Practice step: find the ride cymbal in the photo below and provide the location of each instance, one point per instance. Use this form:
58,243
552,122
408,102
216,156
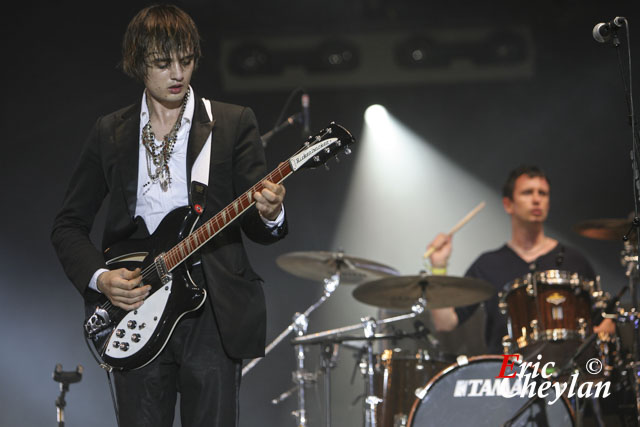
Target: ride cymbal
402,292
604,228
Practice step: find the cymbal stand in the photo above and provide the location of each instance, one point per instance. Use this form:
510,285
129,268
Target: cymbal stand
371,400
300,376
369,325
330,285
299,325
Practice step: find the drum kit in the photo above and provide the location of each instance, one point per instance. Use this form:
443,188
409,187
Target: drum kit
552,310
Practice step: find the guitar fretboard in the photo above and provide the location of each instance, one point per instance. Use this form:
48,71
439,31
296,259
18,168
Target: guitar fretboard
176,255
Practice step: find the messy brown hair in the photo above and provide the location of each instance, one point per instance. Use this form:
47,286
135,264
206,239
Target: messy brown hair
160,30
531,171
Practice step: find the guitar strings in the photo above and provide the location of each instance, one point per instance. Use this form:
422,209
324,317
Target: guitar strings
150,269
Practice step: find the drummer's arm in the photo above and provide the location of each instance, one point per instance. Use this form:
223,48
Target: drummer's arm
444,319
607,326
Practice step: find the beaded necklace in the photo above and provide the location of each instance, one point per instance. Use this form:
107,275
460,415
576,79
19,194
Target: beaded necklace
158,155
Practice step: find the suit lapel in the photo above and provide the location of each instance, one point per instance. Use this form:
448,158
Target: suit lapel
127,146
201,127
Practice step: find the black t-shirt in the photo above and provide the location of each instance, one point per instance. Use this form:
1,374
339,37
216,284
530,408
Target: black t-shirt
502,266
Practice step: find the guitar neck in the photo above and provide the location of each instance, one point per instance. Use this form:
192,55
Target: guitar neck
176,255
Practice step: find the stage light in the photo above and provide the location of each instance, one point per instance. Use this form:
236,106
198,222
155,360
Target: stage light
421,51
252,60
333,56
502,48
376,115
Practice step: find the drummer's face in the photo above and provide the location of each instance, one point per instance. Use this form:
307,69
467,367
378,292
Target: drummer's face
530,200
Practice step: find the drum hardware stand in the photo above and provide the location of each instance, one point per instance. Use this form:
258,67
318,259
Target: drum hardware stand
371,400
299,325
329,356
369,325
631,262
569,366
64,378
300,375
330,285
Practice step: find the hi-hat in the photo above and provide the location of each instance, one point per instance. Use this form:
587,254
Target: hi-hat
320,265
604,228
402,292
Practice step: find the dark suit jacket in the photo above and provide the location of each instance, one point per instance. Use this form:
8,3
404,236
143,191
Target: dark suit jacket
109,165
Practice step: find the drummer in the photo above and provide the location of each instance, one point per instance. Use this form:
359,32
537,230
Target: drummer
526,200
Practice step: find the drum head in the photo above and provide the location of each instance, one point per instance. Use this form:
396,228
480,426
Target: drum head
470,394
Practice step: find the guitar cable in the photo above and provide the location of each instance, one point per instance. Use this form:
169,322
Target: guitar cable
108,371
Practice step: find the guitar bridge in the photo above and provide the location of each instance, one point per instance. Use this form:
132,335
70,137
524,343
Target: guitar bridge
161,269
99,321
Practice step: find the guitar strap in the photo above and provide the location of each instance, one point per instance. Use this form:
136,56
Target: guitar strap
200,171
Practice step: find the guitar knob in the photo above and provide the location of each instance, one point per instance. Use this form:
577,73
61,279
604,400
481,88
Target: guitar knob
120,333
116,344
347,151
124,346
135,337
131,324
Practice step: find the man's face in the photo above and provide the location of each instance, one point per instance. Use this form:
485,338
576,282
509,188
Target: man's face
168,79
530,202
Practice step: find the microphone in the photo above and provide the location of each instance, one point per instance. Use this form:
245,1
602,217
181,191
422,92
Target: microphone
597,318
603,31
288,122
306,131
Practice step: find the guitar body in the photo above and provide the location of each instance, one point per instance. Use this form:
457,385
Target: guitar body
130,340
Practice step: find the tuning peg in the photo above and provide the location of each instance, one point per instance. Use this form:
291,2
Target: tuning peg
347,150
316,159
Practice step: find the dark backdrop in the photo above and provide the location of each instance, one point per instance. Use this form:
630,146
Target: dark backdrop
60,73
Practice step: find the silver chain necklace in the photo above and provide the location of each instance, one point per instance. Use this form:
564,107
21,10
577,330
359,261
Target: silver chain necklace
158,155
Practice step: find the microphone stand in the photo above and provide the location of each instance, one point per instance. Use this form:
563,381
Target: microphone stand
64,378
295,118
635,154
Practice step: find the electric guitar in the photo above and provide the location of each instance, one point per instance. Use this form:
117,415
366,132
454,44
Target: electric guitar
131,339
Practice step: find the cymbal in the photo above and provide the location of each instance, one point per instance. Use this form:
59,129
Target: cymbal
402,292
603,228
320,265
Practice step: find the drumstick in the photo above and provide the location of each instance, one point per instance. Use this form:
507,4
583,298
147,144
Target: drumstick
457,227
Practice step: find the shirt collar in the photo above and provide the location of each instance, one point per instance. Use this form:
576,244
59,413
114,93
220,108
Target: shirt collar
187,117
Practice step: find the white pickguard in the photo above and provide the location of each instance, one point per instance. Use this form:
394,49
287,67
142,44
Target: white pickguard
146,320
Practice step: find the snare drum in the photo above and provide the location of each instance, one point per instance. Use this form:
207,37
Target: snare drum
550,306
468,393
397,375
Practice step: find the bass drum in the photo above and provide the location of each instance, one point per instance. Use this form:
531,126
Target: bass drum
467,393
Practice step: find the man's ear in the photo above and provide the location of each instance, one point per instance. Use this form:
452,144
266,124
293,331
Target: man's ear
507,204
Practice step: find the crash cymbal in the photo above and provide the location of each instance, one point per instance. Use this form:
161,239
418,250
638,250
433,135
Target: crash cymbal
320,265
402,292
604,228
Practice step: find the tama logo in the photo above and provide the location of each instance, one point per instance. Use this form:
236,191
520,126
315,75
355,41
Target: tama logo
486,387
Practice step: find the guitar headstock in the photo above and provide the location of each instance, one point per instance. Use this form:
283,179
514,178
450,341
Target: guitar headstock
321,147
